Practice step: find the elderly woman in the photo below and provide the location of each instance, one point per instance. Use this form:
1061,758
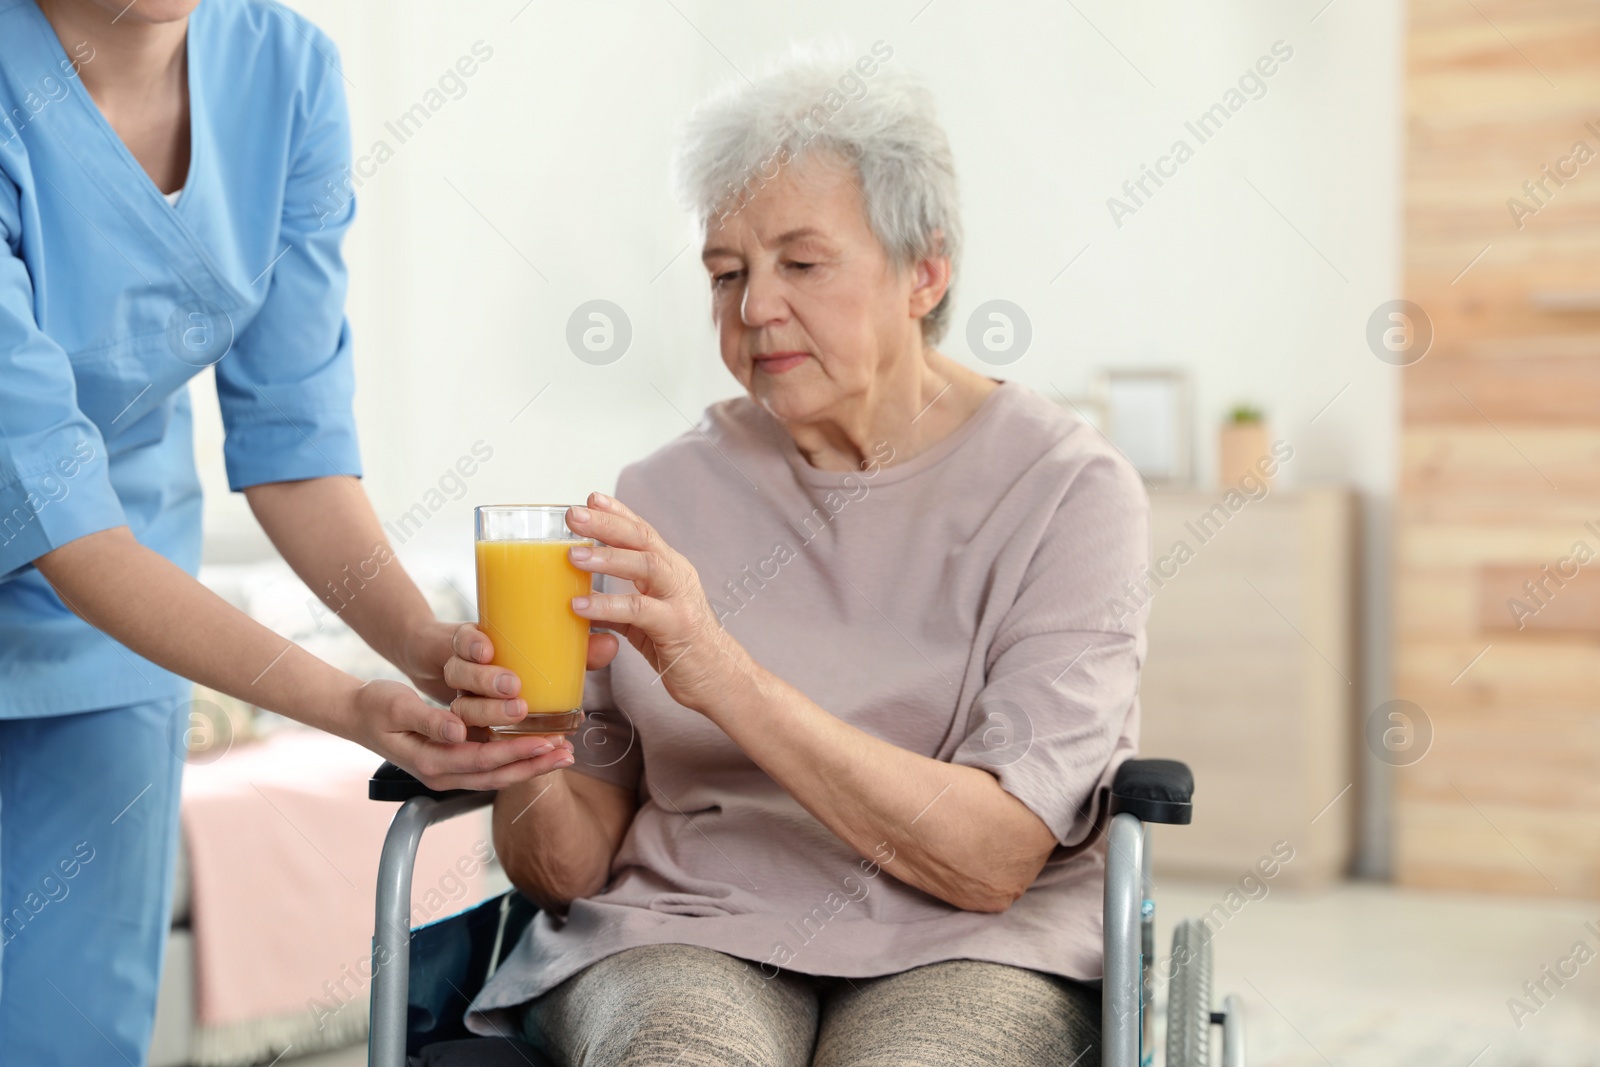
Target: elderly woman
842,806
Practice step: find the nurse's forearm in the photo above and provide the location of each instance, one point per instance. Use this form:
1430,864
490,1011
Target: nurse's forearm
158,610
155,608
327,531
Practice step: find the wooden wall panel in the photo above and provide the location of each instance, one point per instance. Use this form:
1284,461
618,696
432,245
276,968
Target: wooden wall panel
1500,453
1563,597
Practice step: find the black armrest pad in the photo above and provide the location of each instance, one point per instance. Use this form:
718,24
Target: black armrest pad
1154,790
393,784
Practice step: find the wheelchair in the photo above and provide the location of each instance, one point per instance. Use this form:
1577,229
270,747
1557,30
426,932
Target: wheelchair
423,979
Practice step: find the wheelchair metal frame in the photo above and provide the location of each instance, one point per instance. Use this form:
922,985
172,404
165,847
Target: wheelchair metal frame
391,938
1127,989
1126,1014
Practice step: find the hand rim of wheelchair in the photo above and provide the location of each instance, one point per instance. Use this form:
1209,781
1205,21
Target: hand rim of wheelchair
1143,791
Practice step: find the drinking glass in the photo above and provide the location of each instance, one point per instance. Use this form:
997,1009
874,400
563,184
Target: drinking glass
526,584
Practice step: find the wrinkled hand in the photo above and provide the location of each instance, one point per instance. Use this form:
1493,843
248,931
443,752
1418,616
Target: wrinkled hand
667,618
394,721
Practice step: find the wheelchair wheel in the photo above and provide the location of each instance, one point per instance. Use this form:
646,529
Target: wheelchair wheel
1189,996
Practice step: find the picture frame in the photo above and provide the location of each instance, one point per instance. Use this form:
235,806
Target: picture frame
1148,416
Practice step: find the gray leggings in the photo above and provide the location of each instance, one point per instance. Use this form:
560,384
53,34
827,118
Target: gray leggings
683,1006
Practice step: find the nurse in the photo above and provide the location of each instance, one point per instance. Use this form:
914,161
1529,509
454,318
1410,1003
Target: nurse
173,195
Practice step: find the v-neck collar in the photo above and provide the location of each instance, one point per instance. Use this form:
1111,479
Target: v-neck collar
141,203
105,124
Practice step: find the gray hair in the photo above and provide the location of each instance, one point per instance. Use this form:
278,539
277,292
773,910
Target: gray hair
872,114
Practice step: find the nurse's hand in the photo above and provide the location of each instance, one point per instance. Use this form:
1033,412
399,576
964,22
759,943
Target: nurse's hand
432,648
486,695
427,649
432,743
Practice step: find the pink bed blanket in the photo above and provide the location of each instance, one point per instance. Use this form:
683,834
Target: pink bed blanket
283,853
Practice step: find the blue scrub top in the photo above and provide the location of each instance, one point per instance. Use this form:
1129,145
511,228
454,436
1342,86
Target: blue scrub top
112,298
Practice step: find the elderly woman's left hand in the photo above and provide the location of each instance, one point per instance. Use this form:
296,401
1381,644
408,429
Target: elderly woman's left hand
668,618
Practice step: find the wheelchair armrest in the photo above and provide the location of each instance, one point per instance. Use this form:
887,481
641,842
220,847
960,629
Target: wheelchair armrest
1154,790
393,784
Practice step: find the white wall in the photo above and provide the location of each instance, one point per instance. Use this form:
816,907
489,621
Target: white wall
1256,267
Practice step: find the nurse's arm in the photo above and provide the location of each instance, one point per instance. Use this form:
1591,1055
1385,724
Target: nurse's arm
327,531
325,528
155,608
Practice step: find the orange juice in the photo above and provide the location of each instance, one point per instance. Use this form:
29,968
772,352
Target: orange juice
525,591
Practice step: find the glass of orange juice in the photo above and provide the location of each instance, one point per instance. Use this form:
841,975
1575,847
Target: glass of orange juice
526,584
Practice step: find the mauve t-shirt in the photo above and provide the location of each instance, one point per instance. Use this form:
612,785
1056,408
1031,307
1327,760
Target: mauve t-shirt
967,604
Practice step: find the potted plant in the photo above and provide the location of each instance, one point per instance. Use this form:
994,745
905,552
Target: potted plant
1242,446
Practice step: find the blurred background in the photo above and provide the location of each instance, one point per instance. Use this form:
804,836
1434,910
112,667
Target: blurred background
1373,258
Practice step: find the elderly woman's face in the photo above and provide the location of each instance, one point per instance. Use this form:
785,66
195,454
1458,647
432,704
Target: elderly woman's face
810,309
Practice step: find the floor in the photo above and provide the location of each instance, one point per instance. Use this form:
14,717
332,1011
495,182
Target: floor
350,1057
1377,977
1370,976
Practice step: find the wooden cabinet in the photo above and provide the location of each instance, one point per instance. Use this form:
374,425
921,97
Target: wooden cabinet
1251,678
